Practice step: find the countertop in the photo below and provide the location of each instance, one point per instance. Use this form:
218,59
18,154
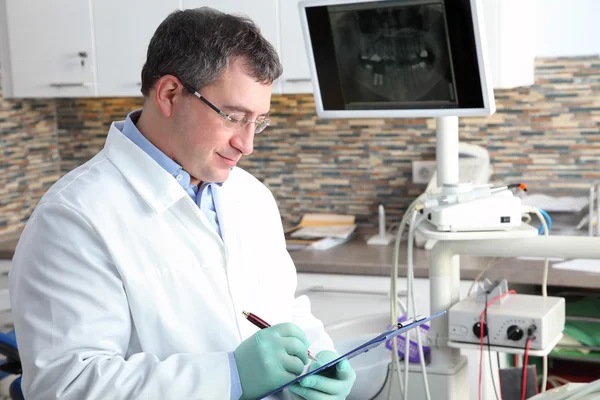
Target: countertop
357,258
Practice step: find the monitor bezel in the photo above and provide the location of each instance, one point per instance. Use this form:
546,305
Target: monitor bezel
482,60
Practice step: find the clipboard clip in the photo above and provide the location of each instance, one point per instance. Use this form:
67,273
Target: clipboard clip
376,341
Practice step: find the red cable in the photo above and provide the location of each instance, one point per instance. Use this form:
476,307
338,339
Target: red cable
524,390
481,336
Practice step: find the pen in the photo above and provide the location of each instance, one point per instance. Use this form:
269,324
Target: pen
262,324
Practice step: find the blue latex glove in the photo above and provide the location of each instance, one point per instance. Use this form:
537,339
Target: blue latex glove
326,386
270,358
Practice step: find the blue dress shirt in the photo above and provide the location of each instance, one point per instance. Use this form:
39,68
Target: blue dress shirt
201,196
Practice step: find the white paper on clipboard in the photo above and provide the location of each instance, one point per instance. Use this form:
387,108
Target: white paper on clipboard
368,345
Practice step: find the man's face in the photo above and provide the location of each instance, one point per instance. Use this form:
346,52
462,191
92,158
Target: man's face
202,144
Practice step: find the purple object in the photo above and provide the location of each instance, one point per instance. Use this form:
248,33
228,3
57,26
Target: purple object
413,345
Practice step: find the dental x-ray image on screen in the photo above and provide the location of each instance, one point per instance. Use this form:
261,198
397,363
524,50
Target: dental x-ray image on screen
393,56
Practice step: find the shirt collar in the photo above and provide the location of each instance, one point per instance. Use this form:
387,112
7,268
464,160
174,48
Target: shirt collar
174,169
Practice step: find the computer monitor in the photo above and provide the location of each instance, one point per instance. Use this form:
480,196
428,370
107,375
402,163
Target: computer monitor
397,58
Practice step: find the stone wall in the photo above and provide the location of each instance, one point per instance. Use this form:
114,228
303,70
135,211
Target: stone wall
29,158
546,135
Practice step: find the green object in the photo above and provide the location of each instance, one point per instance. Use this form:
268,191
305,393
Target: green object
333,385
586,333
270,358
575,354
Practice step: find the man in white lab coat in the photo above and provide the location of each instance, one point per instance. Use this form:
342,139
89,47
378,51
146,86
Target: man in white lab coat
130,278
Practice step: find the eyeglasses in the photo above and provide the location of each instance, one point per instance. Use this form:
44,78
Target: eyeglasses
231,121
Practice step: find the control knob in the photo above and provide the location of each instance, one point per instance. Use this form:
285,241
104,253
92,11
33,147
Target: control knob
477,330
514,333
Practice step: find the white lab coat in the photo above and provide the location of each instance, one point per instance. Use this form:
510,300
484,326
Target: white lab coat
121,288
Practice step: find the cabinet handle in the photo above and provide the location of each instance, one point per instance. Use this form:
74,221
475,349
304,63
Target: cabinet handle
70,84
293,80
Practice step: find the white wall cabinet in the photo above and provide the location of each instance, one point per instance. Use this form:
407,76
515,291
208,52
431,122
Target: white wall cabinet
86,48
122,40
50,48
567,29
296,73
265,13
510,32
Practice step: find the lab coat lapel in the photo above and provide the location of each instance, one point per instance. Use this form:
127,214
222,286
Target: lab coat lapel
241,273
228,213
155,185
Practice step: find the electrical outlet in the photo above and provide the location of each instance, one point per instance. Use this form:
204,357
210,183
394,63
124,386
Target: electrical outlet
422,171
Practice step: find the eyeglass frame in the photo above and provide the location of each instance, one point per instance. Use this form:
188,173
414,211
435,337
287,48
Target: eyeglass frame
245,121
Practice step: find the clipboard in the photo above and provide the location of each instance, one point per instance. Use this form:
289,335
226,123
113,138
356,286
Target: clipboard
368,345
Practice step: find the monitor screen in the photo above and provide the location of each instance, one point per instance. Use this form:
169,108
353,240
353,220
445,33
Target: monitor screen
396,58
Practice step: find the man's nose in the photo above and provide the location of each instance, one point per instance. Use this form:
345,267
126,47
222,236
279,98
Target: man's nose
243,140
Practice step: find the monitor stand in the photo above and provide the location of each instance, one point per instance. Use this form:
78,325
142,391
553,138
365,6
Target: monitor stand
444,262
446,151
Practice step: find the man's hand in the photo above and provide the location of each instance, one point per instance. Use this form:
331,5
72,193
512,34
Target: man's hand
337,386
270,358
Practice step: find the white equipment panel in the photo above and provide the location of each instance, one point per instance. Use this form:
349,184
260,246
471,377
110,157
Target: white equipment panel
509,321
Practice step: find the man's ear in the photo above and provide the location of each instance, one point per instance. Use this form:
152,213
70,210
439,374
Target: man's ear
167,89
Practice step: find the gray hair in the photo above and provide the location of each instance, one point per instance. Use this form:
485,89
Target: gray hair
196,45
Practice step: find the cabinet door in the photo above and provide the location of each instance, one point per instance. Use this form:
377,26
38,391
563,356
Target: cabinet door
510,27
50,51
262,12
296,74
122,40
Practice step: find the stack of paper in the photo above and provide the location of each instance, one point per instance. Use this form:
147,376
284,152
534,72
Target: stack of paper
321,231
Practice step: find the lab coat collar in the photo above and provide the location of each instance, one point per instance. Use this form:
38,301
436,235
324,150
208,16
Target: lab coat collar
145,175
